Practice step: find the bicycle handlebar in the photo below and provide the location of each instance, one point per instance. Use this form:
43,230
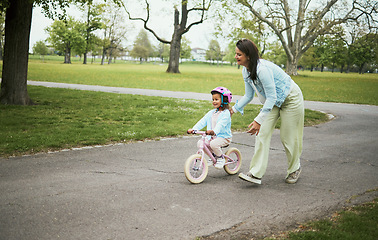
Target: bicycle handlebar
200,132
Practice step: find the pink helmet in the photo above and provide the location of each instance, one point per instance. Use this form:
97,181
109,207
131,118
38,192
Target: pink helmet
224,93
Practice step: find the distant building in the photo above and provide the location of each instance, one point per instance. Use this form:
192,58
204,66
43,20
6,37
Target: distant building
199,54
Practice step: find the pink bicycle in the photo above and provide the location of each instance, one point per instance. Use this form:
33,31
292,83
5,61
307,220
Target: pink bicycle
196,166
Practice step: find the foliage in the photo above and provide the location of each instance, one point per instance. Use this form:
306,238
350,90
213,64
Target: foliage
297,26
142,46
162,51
364,50
333,51
275,53
214,51
230,53
114,32
185,51
40,48
93,22
66,35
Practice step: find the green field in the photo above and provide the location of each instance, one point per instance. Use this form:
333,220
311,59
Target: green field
316,86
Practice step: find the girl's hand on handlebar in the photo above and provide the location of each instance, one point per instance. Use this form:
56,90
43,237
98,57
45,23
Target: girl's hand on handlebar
210,132
190,131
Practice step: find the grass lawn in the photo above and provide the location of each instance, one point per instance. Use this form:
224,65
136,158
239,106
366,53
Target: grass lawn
316,86
358,222
65,118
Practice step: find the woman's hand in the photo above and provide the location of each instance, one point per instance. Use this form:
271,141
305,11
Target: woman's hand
190,131
254,128
231,112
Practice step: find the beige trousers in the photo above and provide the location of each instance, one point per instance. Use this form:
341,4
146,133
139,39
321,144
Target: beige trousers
291,132
215,144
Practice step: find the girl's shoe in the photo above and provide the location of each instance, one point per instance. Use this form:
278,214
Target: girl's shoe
210,162
250,178
220,163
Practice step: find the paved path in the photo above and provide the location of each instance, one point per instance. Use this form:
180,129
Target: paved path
138,191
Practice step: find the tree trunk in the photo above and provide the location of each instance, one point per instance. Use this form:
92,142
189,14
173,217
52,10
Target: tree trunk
16,49
103,55
85,58
174,53
67,54
291,67
360,69
88,31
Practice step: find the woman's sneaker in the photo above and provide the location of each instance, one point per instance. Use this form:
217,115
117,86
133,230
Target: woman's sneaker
220,163
293,177
250,178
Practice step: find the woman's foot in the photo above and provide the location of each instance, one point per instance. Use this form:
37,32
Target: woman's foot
250,178
293,177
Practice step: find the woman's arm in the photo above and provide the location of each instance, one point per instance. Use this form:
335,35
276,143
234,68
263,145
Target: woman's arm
247,98
266,78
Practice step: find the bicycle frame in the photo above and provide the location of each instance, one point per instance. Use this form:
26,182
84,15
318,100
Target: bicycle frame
205,149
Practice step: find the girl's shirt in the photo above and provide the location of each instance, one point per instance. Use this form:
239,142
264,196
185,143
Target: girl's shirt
272,86
223,123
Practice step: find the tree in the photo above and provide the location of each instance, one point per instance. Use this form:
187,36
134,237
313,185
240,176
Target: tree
214,51
16,48
276,54
114,31
186,50
40,48
337,50
65,35
230,53
92,23
142,47
309,59
298,25
2,33
162,51
180,27
364,51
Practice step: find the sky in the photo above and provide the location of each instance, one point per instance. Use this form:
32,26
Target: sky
161,21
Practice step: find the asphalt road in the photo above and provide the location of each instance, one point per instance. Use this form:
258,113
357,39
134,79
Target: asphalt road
139,191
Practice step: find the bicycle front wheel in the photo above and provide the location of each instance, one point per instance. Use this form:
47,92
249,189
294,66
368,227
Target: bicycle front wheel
195,171
233,166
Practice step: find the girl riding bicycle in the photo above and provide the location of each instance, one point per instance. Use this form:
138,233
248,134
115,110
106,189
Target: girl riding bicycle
218,123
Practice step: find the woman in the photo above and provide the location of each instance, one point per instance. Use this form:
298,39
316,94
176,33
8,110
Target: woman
281,97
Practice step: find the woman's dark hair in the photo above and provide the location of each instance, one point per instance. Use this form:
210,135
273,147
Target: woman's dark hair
252,53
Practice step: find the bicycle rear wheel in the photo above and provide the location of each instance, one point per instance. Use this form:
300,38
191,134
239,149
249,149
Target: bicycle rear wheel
234,167
195,171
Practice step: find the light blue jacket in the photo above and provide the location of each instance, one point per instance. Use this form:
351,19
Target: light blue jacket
273,85
222,128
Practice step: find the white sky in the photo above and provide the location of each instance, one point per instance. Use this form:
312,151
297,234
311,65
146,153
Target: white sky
161,21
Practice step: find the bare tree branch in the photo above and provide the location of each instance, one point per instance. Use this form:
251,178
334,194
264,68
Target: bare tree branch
145,22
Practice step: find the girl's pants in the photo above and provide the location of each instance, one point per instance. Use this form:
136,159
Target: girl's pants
291,132
215,144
